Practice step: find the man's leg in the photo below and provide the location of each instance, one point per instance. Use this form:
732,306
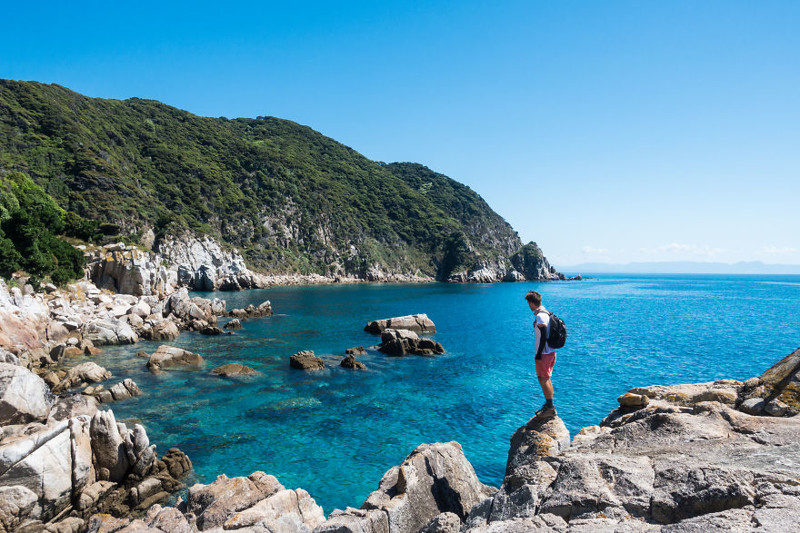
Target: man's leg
547,388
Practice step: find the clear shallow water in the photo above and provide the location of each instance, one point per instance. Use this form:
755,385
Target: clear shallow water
335,432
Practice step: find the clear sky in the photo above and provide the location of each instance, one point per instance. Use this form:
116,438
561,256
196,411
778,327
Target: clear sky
608,131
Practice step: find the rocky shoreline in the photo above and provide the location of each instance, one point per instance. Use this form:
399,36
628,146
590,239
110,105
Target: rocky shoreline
702,457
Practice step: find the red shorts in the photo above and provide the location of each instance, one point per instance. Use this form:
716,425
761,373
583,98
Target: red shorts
544,366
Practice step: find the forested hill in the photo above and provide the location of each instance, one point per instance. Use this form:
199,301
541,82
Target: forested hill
288,198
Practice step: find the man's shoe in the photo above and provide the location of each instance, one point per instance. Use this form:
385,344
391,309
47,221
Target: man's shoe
546,412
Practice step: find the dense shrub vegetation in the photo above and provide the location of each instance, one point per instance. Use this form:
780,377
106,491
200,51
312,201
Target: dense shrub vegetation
288,197
30,222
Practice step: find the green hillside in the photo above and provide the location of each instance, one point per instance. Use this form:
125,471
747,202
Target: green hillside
289,198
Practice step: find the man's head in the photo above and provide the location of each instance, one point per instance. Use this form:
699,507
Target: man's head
534,300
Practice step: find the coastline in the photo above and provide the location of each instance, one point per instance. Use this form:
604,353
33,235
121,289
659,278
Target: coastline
87,294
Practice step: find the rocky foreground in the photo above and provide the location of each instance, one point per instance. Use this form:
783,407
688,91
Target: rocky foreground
683,458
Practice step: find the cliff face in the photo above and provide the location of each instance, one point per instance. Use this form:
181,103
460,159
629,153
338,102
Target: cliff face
285,197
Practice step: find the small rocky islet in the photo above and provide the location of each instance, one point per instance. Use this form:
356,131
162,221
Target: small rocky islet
702,457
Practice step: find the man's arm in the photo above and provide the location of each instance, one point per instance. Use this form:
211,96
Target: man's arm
542,339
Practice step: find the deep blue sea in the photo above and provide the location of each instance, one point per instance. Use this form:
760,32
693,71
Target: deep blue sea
335,432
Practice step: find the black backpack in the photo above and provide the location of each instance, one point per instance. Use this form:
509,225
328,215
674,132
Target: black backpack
557,336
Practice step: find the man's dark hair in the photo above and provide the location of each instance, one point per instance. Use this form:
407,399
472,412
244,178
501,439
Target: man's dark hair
534,297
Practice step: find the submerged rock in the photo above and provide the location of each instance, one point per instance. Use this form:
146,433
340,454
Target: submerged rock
233,369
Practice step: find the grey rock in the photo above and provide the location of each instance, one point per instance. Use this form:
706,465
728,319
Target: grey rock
111,460
753,406
24,396
164,330
443,523
215,503
433,479
102,332
775,408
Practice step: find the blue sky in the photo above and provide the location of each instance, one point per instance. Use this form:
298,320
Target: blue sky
605,131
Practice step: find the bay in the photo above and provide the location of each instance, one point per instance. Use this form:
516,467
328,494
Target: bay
335,432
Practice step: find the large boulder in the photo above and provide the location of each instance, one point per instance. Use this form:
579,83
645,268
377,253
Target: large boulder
419,323
171,357
24,396
433,479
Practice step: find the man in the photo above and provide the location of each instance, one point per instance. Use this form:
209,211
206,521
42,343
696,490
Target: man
545,355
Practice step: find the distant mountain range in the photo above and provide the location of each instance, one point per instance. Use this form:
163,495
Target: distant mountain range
681,267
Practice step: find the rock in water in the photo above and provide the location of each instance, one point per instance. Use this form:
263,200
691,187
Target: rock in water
357,350
234,323
351,362
417,323
170,357
399,342
233,369
306,360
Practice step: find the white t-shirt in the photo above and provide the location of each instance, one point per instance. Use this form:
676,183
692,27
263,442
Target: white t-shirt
541,318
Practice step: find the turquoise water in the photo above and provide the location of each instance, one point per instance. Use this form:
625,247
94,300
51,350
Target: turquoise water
335,432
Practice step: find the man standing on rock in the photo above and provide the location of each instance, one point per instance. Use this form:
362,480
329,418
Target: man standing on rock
545,355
